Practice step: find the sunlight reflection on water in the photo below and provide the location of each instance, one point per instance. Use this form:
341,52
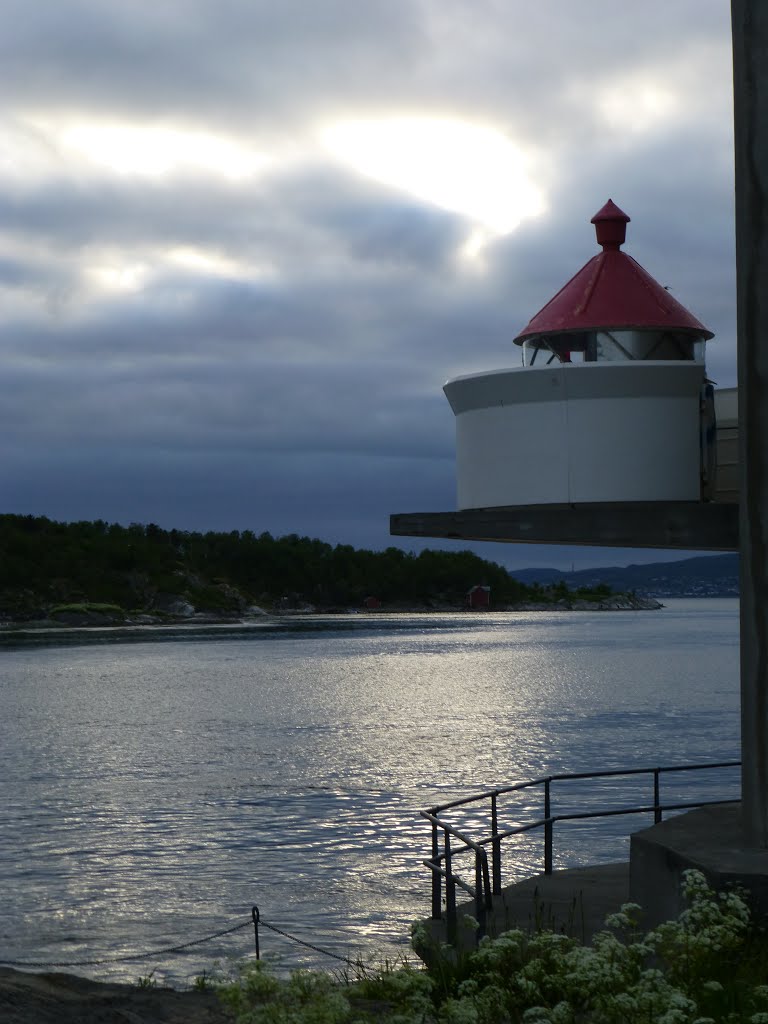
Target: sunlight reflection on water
156,790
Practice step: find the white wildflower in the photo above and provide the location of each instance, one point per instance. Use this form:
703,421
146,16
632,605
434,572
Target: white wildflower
535,1013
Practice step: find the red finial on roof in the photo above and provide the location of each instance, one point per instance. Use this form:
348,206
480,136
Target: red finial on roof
610,226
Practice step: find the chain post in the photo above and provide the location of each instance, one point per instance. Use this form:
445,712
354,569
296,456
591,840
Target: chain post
256,916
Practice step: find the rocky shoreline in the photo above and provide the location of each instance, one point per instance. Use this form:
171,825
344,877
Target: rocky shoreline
615,603
87,618
27,998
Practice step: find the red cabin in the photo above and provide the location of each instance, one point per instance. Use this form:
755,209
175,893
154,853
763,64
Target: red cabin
479,597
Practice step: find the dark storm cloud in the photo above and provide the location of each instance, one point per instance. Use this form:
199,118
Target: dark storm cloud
237,61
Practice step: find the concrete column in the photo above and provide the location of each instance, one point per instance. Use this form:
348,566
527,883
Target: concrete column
750,73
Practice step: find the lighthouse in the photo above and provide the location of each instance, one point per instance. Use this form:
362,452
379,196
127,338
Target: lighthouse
610,403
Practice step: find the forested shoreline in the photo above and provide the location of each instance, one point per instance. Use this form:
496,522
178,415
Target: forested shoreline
68,572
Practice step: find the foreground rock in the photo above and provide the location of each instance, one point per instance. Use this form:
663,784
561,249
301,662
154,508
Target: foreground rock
66,999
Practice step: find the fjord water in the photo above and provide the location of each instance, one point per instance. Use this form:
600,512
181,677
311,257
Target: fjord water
157,785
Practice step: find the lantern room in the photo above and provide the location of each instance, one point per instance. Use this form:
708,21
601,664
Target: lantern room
611,402
612,311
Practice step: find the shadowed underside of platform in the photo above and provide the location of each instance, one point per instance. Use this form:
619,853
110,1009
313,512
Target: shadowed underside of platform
686,525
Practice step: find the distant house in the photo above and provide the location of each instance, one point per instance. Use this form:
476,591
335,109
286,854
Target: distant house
479,597
371,603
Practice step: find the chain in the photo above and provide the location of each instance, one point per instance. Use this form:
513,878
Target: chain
309,945
178,949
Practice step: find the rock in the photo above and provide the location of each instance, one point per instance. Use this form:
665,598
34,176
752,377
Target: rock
174,604
67,999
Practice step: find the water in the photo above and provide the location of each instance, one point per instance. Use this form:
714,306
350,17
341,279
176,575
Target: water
155,787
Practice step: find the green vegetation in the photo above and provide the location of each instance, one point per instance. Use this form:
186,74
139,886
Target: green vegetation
707,967
103,568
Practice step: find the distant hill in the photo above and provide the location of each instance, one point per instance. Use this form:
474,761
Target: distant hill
702,576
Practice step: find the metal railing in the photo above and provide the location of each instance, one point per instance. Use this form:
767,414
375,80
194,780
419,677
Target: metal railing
488,878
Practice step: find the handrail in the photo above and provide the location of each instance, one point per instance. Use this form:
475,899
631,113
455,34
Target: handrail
441,863
604,774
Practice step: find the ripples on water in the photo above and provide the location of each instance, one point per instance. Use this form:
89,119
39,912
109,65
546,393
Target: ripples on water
155,788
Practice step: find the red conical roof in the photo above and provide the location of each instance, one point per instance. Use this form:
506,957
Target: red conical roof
612,292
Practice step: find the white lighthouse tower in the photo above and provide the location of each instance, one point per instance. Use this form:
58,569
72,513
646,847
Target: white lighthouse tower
611,403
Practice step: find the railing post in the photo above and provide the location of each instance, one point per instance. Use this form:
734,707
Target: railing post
480,895
495,846
450,893
437,888
656,797
547,830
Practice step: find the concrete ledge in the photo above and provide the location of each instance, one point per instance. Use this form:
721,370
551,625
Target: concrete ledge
709,839
574,902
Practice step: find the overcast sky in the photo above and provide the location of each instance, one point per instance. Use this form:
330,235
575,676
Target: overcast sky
244,243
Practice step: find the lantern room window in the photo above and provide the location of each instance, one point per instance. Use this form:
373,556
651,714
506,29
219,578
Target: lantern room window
612,347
